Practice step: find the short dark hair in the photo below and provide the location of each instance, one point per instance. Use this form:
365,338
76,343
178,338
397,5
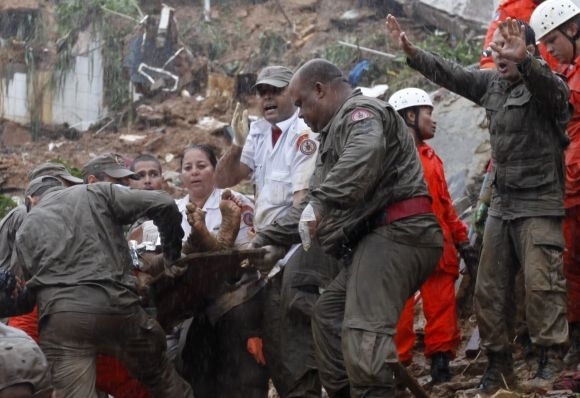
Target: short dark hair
320,70
145,157
205,148
530,36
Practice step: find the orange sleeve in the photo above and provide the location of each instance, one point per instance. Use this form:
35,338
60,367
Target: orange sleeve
28,323
518,9
442,202
449,215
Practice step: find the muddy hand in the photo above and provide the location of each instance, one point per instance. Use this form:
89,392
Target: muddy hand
173,271
271,257
399,37
514,48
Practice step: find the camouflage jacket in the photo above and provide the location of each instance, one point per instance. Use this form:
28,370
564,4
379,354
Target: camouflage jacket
527,123
367,160
72,250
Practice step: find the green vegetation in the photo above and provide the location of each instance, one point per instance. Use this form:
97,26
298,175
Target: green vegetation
75,171
395,72
6,204
103,17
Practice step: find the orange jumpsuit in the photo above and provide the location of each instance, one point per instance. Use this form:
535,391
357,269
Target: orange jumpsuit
572,195
519,9
438,291
112,377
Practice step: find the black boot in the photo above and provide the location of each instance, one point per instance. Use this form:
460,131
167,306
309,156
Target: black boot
440,372
549,363
549,367
572,357
499,372
342,393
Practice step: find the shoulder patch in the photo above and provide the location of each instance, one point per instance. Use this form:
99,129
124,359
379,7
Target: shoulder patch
360,114
306,145
248,215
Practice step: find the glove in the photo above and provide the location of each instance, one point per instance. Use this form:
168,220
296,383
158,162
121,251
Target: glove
304,226
254,347
469,254
240,125
273,254
480,216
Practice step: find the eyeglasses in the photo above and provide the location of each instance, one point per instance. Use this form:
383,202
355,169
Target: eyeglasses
265,89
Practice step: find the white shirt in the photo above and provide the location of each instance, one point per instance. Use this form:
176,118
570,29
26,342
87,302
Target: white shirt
280,170
213,216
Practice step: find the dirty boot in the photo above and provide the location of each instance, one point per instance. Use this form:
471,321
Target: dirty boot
525,343
550,365
440,372
572,357
499,372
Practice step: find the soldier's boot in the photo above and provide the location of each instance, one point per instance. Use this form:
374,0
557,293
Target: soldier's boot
572,357
550,365
499,372
342,393
231,212
440,372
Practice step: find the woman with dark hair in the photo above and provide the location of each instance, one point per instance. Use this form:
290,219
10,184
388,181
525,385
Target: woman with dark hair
222,356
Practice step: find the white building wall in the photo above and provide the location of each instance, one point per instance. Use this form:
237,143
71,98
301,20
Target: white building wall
79,102
14,98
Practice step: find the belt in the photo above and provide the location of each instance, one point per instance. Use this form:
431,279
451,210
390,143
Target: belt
403,209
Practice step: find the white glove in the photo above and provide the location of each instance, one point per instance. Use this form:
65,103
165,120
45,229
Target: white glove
240,125
307,216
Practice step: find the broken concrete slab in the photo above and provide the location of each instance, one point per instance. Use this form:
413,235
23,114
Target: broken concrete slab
462,18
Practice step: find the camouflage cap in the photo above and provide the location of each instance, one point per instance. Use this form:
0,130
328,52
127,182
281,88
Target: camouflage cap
111,164
53,169
22,361
277,76
40,184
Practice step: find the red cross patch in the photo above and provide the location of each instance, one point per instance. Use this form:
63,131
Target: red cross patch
360,114
248,215
306,145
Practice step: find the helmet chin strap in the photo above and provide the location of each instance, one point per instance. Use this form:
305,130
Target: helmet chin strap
415,124
572,40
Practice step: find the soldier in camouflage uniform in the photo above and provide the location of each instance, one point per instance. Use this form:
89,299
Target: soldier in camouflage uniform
527,107
373,211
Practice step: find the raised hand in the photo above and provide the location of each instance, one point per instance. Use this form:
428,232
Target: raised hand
398,36
513,47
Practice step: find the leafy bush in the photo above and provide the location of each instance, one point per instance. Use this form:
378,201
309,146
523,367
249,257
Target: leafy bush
6,204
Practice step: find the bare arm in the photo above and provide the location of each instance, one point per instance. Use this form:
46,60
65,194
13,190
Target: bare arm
230,170
298,196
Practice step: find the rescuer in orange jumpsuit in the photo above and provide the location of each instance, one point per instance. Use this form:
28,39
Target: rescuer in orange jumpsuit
517,9
438,292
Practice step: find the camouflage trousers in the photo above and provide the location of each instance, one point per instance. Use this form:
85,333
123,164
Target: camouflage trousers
534,244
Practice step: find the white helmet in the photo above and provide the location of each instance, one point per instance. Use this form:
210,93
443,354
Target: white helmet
550,14
408,98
